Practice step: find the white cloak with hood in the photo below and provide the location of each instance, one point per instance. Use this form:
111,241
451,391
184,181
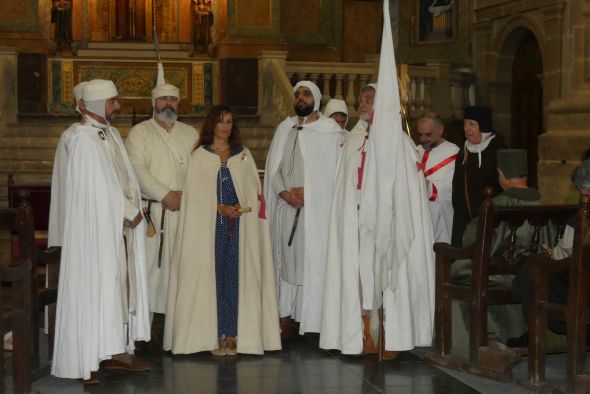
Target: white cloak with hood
90,322
318,142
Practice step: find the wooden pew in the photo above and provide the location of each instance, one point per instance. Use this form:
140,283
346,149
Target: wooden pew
34,201
15,301
575,313
483,360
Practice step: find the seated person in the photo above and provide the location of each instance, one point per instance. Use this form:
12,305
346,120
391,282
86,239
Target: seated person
558,281
505,321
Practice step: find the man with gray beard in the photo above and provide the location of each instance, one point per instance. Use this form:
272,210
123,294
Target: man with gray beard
159,150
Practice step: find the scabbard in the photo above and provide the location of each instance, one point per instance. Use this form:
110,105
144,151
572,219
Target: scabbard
161,237
294,226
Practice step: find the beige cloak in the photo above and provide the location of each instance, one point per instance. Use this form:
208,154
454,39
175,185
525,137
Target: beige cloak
191,319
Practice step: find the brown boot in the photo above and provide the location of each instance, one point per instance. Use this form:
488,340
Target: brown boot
231,346
287,331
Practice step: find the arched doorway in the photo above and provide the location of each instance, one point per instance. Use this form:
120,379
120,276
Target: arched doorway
527,99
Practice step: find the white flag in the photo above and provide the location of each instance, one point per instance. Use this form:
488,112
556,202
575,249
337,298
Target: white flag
396,232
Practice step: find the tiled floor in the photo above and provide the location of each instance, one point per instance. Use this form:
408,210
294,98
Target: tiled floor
301,367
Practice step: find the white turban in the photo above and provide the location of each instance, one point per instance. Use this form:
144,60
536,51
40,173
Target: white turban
372,85
164,90
96,93
78,90
315,91
335,105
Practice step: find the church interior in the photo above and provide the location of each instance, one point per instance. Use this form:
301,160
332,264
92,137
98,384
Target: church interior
528,60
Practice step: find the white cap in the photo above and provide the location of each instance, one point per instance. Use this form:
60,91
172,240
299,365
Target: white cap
315,91
162,88
99,89
165,90
335,105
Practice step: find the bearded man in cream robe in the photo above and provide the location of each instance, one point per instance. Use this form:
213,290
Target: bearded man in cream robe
298,185
159,149
437,160
102,305
342,323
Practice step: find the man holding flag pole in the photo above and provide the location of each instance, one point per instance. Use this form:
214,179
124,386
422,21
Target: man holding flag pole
395,227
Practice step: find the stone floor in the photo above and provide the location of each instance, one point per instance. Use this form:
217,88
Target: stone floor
301,367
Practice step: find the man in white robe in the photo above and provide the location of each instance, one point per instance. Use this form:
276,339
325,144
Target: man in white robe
298,186
159,150
437,160
342,320
102,305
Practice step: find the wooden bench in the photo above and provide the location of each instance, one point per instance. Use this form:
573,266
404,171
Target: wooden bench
15,296
483,360
575,313
34,201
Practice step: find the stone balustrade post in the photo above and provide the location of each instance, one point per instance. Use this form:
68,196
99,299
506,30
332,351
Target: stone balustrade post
326,88
338,93
427,102
351,95
9,97
374,60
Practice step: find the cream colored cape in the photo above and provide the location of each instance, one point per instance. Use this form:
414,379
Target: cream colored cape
191,319
160,160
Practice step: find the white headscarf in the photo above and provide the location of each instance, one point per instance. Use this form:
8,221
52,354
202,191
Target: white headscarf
95,94
315,91
78,90
334,106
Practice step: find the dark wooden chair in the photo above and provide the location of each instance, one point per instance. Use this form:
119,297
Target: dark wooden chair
16,317
34,201
15,300
575,313
483,360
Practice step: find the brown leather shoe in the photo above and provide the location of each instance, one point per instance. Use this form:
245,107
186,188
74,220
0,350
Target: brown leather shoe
390,354
94,378
135,365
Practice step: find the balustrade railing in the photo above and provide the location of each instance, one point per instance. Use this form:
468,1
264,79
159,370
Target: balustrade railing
432,87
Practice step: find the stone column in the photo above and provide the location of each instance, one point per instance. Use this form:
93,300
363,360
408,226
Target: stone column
8,86
568,117
267,91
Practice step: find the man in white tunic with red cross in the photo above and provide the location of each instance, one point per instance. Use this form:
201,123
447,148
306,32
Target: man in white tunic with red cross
437,160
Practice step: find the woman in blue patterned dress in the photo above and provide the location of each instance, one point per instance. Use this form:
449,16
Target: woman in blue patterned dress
222,276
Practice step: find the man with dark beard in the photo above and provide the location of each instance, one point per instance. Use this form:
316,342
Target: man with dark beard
159,150
298,186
